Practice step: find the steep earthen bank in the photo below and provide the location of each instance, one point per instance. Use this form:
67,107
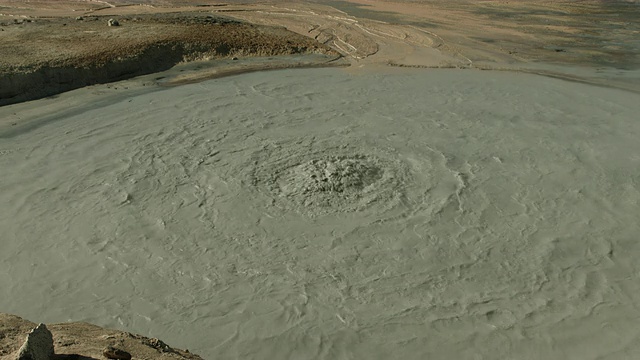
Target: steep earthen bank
87,51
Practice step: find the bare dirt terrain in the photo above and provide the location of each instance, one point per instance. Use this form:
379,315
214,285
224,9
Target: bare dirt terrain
587,41
82,341
45,50
564,32
69,45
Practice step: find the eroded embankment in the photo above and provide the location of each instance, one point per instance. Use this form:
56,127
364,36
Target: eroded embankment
49,80
84,53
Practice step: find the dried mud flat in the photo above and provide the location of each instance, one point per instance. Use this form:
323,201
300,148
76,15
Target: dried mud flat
372,211
439,214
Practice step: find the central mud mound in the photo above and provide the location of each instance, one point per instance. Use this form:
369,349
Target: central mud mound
330,181
329,178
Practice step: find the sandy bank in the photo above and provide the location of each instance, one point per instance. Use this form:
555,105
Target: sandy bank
587,42
65,53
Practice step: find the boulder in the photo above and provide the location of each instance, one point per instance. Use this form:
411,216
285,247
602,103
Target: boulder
38,345
113,22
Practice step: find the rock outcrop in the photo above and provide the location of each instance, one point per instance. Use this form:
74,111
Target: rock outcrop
38,345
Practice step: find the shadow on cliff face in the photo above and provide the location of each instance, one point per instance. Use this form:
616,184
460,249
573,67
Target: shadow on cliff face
72,357
48,80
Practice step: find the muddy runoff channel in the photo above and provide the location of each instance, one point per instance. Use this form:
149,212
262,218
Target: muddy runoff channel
326,214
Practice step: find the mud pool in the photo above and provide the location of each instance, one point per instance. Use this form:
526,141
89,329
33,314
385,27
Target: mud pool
323,214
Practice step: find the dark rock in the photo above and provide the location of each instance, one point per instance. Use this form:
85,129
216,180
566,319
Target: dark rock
111,352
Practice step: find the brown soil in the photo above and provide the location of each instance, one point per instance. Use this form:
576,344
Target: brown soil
85,341
588,41
47,51
90,42
589,32
64,53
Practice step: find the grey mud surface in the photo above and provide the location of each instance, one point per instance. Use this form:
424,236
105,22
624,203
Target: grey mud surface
318,214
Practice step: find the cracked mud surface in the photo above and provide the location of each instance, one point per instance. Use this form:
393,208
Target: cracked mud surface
455,203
